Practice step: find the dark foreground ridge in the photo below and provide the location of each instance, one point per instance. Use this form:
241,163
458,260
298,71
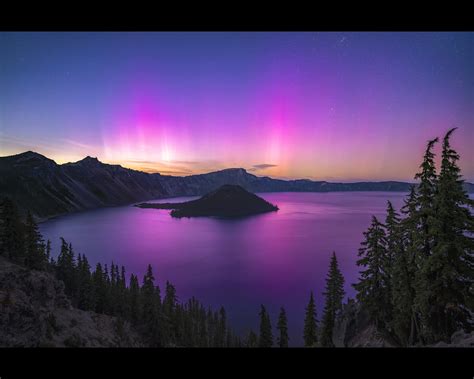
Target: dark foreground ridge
227,201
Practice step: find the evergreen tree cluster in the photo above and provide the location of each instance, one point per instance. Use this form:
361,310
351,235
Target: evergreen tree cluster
21,242
313,335
162,321
417,280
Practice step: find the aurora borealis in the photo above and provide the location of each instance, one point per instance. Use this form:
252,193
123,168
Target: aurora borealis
330,106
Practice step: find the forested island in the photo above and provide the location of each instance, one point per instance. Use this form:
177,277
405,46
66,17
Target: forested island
416,285
227,201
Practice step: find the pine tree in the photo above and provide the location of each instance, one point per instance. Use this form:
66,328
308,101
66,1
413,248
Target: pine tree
334,295
310,333
392,228
282,327
170,314
85,290
222,328
426,195
150,307
266,335
252,339
229,338
449,269
371,288
66,268
203,328
49,258
135,304
11,232
100,289
405,320
123,295
422,222
35,257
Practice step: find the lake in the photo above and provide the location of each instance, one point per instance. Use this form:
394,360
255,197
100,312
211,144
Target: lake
274,259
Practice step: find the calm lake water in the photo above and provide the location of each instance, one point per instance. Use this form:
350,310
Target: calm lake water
275,258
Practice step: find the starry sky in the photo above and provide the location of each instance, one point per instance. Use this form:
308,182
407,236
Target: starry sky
318,105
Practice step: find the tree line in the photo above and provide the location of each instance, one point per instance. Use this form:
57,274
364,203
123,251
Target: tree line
314,335
418,268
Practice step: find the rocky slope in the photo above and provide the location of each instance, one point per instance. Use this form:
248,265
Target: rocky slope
354,329
35,312
47,189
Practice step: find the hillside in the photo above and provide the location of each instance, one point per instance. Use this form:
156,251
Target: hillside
48,189
35,312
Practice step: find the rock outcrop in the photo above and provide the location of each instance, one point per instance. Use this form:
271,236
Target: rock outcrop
458,339
354,329
35,312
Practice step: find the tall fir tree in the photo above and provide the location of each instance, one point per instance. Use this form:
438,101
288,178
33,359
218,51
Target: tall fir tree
449,270
49,258
66,267
282,327
310,332
100,289
35,256
11,232
405,321
135,303
426,194
222,328
170,314
150,315
424,237
266,335
251,340
334,295
371,288
392,248
85,288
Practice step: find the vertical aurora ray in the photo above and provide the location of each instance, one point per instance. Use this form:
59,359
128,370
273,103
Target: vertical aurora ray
333,106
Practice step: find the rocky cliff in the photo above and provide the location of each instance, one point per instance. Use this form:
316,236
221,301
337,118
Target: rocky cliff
35,312
354,329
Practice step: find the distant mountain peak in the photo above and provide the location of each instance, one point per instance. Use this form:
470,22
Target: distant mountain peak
234,170
30,154
90,161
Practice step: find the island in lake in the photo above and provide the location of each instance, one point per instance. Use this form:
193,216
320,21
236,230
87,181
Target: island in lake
227,201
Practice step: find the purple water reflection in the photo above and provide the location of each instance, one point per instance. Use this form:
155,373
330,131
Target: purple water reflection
274,258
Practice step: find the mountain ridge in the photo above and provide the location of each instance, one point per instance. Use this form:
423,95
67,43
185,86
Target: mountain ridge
48,189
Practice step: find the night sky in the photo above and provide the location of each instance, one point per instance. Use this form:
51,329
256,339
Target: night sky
331,106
